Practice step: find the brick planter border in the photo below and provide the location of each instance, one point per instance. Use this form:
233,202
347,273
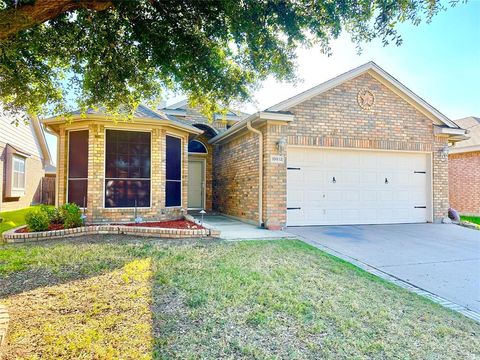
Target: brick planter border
4,320
13,237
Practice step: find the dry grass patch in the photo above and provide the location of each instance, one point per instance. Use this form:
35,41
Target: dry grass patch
116,297
102,317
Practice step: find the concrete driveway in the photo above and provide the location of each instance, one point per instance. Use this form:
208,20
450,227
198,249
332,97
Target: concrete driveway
442,259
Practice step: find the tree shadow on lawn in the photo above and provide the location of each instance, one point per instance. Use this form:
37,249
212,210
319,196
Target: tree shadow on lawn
141,298
25,267
89,300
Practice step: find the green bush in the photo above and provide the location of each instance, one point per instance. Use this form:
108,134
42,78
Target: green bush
48,210
37,220
72,216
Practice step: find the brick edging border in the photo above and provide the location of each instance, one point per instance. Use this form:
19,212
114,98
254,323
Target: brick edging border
13,237
4,320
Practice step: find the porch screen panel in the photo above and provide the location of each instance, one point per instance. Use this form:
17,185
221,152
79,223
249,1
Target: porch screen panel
127,169
173,187
78,167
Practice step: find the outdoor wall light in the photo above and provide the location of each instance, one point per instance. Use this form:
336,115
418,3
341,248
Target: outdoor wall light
281,145
444,152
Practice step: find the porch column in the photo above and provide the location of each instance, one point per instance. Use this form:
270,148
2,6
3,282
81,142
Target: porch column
274,175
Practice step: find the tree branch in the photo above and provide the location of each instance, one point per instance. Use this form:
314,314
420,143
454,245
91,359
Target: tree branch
13,20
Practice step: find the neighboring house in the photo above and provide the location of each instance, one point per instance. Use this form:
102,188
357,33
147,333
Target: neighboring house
464,169
24,162
358,149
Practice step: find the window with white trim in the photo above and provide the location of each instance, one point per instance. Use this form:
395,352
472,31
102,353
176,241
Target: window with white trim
18,172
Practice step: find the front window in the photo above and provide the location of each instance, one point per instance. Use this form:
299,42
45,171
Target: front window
173,188
78,167
18,173
127,169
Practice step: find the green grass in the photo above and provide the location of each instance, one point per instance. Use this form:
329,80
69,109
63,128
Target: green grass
118,297
12,219
472,219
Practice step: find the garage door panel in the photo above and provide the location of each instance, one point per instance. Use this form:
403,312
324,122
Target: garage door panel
359,194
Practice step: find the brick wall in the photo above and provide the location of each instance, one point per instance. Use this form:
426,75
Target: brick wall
274,177
96,173
235,177
334,119
464,181
331,119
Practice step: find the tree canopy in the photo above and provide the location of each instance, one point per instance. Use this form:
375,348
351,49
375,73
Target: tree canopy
118,53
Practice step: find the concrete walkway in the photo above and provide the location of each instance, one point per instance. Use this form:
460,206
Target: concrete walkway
441,259
232,229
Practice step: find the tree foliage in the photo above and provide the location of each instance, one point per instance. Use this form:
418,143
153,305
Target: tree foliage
116,54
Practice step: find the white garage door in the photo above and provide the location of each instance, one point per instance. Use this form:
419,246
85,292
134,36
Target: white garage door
339,187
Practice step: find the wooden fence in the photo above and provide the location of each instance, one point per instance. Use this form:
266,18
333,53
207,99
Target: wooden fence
47,194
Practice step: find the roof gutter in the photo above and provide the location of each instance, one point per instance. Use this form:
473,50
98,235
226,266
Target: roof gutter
260,171
137,121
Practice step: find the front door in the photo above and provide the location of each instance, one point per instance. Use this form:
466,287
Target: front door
196,182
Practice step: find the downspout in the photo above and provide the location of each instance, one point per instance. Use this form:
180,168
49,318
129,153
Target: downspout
260,171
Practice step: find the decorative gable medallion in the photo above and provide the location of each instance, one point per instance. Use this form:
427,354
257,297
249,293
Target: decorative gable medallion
365,99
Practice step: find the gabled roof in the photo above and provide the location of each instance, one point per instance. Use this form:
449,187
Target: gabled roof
472,125
379,74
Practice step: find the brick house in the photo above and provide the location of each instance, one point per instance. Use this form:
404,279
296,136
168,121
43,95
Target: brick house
359,148
24,162
464,169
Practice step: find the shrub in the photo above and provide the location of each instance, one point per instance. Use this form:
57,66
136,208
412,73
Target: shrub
72,216
54,214
48,210
57,216
37,220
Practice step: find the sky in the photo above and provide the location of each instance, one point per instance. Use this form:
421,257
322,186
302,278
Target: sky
439,61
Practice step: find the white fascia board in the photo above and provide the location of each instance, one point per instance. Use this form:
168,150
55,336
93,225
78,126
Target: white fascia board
262,115
440,130
373,68
466,149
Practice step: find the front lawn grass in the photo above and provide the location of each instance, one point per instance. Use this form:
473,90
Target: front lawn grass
12,219
472,219
117,297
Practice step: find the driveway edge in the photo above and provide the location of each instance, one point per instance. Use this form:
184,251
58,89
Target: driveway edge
404,284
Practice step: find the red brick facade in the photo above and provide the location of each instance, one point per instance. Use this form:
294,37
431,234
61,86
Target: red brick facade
235,177
464,182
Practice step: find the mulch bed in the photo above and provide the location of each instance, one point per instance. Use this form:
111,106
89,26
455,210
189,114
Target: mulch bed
173,224
51,227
